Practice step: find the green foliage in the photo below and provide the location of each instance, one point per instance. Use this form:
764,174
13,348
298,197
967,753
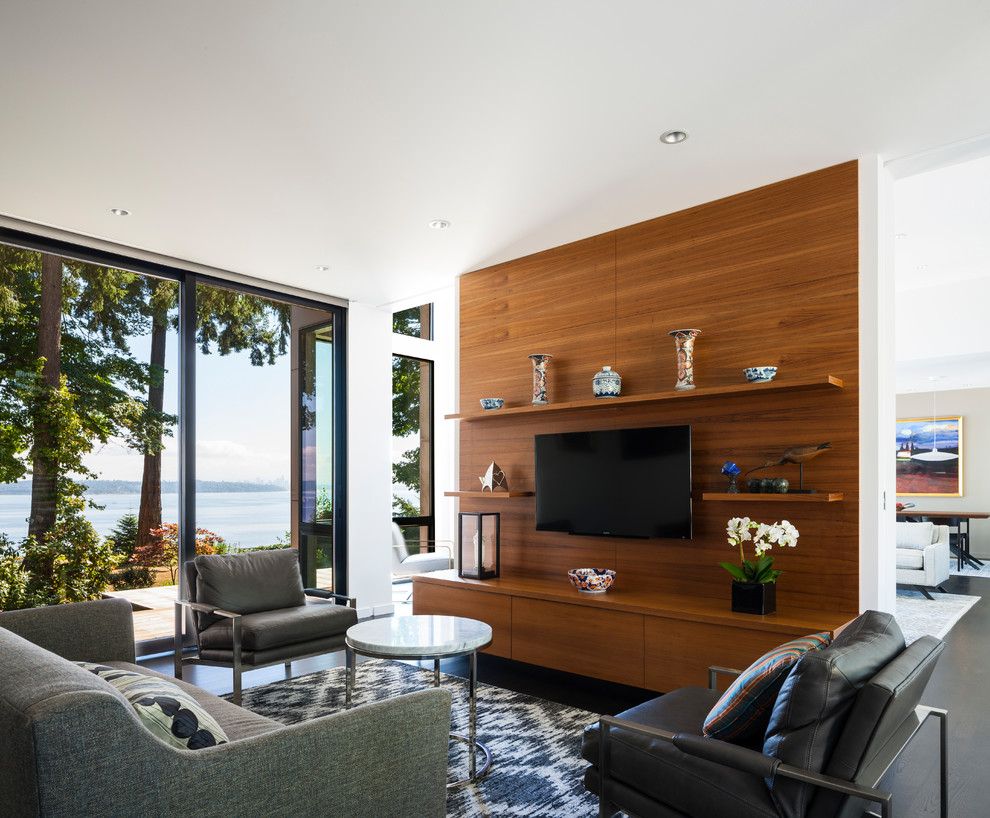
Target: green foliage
123,540
403,508
236,322
69,565
82,564
760,571
408,322
123,537
324,507
129,577
14,580
101,307
405,395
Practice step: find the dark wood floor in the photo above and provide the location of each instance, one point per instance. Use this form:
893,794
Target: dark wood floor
961,684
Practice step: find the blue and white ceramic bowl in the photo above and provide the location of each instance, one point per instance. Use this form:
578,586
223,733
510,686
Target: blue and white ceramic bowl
760,374
491,403
592,580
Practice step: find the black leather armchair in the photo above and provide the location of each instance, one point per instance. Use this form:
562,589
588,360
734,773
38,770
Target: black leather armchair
250,610
840,720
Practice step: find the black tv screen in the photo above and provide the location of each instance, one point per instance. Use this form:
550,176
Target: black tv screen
615,482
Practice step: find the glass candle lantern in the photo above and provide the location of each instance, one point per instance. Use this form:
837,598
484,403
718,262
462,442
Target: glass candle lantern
477,542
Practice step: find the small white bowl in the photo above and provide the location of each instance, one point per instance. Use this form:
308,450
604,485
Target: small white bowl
760,374
592,580
491,403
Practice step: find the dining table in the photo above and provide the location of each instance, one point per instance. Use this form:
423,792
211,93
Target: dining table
962,543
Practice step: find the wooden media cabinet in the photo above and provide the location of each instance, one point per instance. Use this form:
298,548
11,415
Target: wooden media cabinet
630,635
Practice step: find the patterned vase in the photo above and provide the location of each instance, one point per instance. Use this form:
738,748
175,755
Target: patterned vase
607,383
540,363
684,338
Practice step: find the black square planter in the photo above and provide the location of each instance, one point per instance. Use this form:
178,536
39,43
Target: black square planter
754,597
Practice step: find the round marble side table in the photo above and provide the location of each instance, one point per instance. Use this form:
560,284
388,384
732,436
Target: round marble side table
426,637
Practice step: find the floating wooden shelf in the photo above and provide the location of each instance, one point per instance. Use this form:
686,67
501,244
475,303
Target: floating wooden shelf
820,497
492,494
741,390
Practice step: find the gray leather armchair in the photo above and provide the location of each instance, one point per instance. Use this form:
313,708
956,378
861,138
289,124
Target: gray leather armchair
250,610
840,719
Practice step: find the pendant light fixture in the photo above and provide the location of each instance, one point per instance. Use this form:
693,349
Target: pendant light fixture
934,454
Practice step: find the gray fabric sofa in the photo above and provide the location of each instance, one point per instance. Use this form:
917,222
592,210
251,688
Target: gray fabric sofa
73,746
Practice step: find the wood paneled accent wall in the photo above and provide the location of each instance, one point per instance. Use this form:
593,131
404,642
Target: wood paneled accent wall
769,276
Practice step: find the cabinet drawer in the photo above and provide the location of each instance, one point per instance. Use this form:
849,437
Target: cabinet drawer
492,609
590,641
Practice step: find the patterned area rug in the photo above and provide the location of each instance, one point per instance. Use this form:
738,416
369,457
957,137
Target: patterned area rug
537,768
970,571
917,615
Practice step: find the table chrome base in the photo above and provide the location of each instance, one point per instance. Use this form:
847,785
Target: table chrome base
473,776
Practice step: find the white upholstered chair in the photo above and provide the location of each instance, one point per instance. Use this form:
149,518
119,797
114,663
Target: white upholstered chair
407,561
922,556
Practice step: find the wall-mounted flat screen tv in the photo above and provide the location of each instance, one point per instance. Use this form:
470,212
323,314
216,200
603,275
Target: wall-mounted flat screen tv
615,482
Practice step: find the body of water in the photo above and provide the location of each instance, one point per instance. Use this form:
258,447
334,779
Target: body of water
244,518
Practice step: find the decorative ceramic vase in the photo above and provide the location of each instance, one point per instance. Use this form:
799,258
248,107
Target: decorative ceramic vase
754,597
607,383
684,338
781,485
753,484
540,379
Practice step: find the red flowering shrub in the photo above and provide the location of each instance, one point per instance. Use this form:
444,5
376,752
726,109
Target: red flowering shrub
163,551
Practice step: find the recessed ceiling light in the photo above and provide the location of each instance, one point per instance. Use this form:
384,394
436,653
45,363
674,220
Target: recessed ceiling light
323,268
900,235
119,211
673,137
439,224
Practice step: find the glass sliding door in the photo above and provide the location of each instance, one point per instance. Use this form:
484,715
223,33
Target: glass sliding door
243,457
148,414
316,455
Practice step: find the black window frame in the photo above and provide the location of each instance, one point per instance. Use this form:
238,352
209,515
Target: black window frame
187,281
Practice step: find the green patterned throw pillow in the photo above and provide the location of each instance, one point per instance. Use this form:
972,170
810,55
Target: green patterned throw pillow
164,708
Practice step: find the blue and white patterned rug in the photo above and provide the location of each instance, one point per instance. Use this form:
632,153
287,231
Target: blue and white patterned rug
970,571
537,768
918,615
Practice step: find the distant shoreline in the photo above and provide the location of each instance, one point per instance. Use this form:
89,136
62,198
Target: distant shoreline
168,487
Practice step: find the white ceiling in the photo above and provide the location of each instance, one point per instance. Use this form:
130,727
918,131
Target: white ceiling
267,138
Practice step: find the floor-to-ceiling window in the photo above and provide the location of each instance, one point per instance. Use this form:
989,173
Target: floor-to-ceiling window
413,502
93,361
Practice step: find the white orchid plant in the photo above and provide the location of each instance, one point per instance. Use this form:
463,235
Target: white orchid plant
764,537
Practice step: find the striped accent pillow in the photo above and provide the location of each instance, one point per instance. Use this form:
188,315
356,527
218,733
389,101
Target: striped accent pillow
744,709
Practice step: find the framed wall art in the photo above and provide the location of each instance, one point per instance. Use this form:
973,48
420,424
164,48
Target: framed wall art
930,457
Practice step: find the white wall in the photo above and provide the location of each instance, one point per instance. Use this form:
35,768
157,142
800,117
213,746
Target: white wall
877,587
974,407
369,473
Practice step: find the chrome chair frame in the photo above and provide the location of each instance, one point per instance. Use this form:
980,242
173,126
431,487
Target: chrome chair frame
767,767
184,611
